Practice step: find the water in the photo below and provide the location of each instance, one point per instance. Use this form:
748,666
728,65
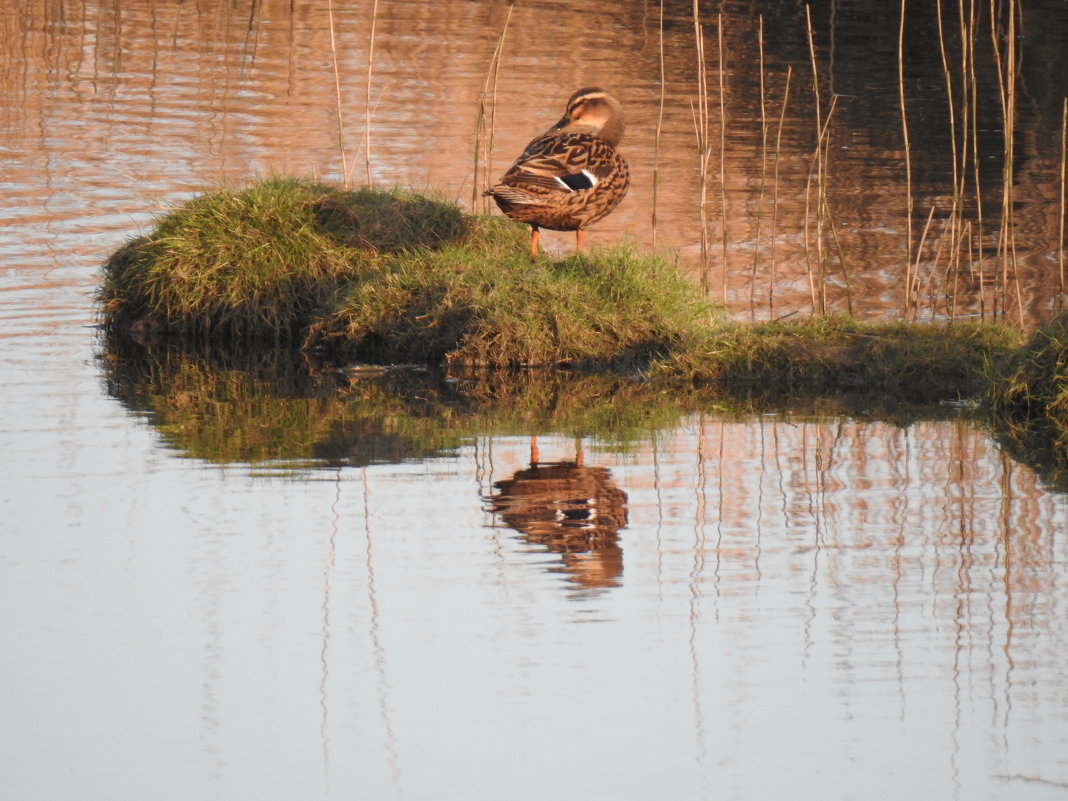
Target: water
225,579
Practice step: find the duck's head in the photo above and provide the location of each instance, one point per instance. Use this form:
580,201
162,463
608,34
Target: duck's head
593,111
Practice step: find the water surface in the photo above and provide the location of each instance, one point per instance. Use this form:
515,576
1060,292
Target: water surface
228,576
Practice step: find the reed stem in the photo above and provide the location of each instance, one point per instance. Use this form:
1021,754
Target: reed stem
919,260
1063,209
484,141
722,151
1005,61
493,99
763,169
775,192
817,170
969,27
700,114
659,124
337,89
367,95
956,166
840,251
909,202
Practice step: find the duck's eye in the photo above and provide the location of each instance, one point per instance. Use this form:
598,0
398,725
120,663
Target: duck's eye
575,181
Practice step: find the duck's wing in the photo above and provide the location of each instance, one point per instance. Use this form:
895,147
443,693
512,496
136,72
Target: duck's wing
567,162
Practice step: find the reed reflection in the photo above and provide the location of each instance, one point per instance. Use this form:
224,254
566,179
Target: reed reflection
571,509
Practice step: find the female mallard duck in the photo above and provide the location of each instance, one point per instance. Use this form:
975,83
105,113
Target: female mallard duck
571,176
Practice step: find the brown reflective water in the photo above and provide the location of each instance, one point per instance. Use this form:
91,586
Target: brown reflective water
114,107
239,577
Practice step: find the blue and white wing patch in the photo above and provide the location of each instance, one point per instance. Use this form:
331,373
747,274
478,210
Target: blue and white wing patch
576,181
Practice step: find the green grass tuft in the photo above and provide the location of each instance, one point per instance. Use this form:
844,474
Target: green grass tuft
1028,388
390,276
838,353
482,302
389,221
263,262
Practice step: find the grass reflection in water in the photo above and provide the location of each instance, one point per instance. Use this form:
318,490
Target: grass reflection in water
274,408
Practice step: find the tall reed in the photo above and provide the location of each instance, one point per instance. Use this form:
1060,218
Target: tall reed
659,121
337,89
775,191
701,128
1006,61
367,92
956,166
909,201
817,292
486,125
763,168
1063,210
969,26
724,234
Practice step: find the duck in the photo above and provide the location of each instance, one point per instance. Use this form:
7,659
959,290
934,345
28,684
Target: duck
572,175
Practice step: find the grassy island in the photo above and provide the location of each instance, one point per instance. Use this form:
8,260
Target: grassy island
395,276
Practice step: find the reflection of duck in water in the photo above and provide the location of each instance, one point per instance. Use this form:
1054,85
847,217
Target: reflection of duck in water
572,510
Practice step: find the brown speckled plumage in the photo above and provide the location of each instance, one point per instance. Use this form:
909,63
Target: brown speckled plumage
571,176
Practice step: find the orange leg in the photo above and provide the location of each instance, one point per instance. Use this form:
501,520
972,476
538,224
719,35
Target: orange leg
580,240
535,235
535,457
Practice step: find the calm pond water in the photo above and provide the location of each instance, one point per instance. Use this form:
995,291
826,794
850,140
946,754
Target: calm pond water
243,578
